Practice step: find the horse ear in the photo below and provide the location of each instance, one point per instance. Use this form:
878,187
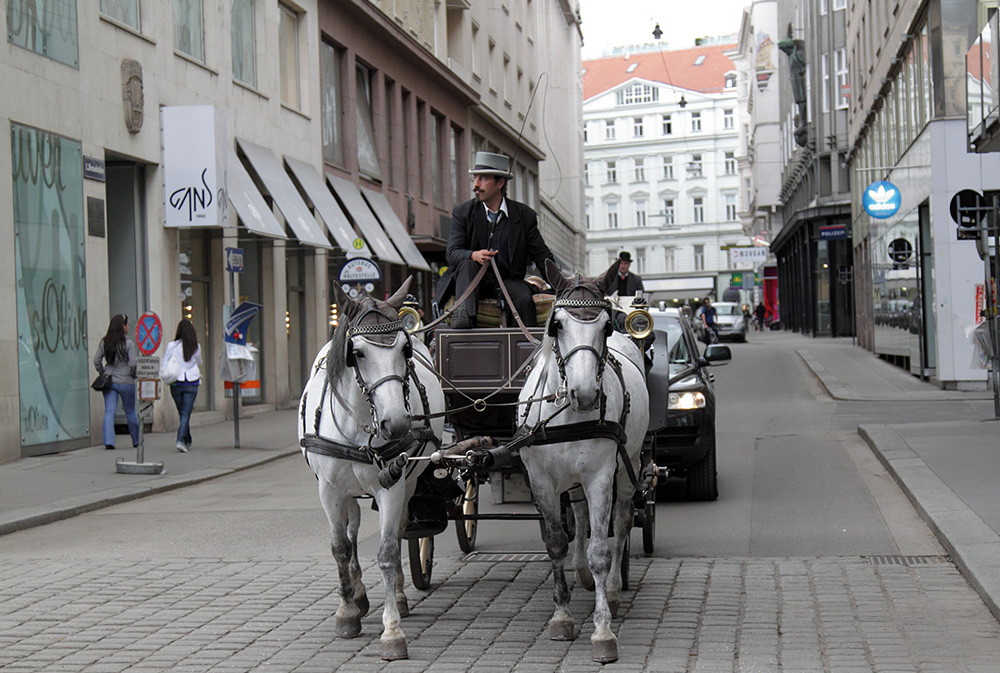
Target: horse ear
397,299
604,282
555,277
347,306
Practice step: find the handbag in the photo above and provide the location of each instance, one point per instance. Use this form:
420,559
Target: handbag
102,382
170,370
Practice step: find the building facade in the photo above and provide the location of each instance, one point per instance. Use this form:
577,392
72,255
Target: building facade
308,134
917,280
660,145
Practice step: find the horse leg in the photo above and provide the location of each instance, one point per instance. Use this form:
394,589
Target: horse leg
581,516
348,617
353,523
622,516
557,544
401,602
390,507
604,642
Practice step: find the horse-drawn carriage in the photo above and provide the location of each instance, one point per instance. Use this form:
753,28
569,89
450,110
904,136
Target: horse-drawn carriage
564,408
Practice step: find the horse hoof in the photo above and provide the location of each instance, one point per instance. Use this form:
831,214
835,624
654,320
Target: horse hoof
613,606
605,651
561,630
394,650
348,627
403,607
585,579
362,604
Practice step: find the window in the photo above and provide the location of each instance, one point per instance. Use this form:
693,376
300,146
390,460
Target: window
694,168
640,170
367,152
699,257
696,122
612,171
668,168
697,209
730,163
825,95
330,105
669,264
475,50
731,80
586,173
839,4
189,33
506,77
730,207
123,11
700,59
437,131
640,260
667,125
612,216
609,129
840,64
640,213
728,119
584,131
637,127
586,216
288,56
49,28
637,94
491,59
244,43
823,7
668,211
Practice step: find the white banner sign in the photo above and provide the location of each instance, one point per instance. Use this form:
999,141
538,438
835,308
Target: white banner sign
194,166
744,256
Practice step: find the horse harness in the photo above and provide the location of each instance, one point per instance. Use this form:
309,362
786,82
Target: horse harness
378,456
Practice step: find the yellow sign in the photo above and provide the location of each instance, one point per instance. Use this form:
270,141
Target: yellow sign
358,243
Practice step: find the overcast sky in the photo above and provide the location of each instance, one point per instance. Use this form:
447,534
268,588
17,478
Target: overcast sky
611,23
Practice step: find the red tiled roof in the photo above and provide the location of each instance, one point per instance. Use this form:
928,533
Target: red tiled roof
669,67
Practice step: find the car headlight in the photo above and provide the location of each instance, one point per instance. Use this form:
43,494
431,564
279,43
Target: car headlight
686,401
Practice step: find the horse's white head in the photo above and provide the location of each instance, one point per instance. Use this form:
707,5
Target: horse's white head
578,328
371,345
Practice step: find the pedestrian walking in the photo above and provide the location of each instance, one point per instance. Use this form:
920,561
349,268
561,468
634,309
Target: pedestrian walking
118,356
181,369
760,311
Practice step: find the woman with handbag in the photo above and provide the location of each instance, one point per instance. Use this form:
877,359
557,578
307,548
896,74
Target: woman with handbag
117,355
180,370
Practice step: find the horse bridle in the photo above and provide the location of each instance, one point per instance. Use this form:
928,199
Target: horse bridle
367,390
602,357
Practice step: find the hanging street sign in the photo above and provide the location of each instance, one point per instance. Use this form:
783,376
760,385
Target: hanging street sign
148,333
359,270
747,255
881,199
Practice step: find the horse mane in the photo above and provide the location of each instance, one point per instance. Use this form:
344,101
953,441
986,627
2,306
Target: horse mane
366,311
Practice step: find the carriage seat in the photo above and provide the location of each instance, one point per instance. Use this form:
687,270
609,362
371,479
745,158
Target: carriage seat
488,310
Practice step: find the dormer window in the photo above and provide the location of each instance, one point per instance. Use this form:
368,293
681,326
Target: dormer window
638,94
731,80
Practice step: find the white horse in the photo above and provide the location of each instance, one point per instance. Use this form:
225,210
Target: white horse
591,436
359,411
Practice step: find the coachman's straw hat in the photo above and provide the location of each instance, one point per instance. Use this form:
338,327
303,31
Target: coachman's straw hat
488,163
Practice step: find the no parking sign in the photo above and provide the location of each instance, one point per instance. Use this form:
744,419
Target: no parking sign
148,333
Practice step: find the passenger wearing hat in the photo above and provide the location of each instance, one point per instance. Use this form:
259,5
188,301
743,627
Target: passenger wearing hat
491,226
625,284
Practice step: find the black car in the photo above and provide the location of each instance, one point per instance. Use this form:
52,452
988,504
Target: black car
682,404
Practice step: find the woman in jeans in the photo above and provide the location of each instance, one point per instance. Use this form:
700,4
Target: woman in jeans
117,355
184,390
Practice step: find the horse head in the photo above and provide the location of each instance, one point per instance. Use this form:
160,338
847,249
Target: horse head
370,341
578,329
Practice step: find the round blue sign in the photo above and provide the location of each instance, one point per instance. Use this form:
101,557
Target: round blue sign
881,199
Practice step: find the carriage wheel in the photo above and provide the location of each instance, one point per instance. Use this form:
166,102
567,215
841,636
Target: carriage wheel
625,561
649,525
465,530
421,561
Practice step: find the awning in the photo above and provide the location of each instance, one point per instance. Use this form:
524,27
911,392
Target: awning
327,206
285,196
249,204
397,232
362,215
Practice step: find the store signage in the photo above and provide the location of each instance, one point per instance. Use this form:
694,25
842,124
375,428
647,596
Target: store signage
359,270
239,322
881,199
194,166
747,255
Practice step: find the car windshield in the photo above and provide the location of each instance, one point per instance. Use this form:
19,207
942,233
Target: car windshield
727,309
677,349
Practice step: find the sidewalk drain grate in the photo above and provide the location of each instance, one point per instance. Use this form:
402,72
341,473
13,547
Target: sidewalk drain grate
906,560
513,556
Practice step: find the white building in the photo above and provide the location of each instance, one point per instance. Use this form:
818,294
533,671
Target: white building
661,179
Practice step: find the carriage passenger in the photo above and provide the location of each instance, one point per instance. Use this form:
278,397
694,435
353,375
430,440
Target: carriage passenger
492,226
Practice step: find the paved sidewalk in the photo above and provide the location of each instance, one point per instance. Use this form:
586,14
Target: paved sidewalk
947,469
39,490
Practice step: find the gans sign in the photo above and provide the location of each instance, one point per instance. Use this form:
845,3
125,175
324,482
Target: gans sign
881,199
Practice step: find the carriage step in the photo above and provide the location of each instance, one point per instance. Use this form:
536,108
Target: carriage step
512,556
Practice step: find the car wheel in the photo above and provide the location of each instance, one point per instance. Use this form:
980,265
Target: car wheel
702,479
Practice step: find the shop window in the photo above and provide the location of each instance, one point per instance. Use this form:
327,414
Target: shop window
194,247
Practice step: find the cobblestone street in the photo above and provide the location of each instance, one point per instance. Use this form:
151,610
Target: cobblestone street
843,615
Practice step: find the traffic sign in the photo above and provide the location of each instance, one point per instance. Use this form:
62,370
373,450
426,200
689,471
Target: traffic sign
148,333
359,270
234,260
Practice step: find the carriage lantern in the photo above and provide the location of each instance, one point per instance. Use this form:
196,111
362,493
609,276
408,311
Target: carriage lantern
409,315
639,322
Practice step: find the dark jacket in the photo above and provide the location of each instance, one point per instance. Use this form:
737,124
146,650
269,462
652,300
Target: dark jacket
470,231
626,287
